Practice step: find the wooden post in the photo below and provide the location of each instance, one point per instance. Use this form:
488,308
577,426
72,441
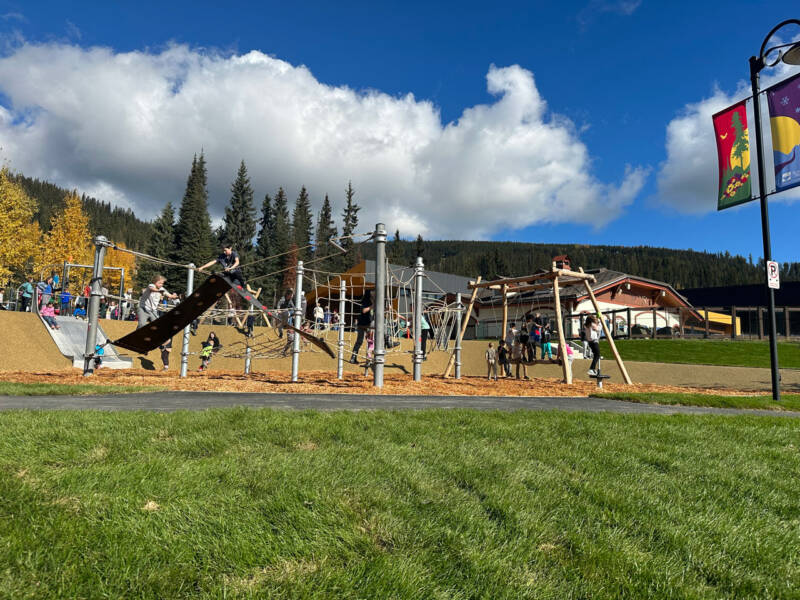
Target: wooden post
786,321
505,312
609,337
655,323
733,322
630,325
562,344
760,317
705,313
451,361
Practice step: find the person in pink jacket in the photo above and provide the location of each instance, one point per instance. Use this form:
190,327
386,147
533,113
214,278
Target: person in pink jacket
48,313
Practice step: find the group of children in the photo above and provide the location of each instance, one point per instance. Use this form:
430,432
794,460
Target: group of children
519,348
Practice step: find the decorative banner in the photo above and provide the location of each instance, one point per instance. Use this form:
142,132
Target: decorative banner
784,120
733,153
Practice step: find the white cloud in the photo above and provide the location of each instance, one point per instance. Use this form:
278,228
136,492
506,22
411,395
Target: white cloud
688,178
127,124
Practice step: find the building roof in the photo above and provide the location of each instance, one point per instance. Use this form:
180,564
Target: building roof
604,278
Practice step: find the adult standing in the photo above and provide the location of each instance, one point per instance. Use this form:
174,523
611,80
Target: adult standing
150,299
27,294
126,303
363,321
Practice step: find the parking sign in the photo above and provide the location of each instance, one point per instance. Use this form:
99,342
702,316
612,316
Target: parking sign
773,275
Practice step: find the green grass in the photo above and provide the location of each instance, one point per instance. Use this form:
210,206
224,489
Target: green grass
788,401
705,352
434,504
51,389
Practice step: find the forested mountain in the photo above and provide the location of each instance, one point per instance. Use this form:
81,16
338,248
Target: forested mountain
117,224
680,268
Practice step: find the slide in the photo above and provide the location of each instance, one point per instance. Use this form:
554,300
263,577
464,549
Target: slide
71,342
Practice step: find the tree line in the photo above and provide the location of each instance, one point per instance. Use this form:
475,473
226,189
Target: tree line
680,268
269,239
278,233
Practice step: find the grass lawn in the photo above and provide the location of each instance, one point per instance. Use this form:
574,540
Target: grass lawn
788,401
51,389
705,352
240,503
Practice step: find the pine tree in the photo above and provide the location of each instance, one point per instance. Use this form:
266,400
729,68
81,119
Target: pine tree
325,231
349,224
266,233
194,240
302,225
396,250
281,237
420,246
239,224
161,243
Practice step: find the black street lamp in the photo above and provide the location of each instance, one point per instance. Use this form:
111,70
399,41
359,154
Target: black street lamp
791,57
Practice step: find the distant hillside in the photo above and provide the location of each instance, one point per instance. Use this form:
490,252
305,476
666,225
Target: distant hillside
117,224
680,268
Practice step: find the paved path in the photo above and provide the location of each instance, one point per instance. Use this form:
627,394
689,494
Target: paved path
170,401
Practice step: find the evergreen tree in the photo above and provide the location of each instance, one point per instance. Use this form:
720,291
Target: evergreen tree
194,240
302,225
349,224
325,231
420,246
395,253
239,224
281,237
162,243
266,233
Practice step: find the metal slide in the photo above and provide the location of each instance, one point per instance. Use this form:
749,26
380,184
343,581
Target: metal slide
71,342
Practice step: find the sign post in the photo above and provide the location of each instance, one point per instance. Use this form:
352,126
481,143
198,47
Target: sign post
773,275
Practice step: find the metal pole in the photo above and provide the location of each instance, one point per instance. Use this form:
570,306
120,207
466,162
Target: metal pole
342,299
380,303
187,329
756,64
298,320
121,293
419,270
94,304
458,336
247,358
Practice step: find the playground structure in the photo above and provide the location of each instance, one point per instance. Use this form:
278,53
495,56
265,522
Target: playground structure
401,313
559,276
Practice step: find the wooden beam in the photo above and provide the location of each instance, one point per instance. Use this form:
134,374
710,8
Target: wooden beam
451,361
541,276
562,343
609,337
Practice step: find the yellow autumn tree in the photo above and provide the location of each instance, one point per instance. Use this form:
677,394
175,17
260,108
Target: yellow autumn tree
115,258
20,235
68,239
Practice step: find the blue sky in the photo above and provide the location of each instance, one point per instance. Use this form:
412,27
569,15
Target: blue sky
620,71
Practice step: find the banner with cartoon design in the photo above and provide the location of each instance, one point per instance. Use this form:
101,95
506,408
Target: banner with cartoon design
733,152
784,119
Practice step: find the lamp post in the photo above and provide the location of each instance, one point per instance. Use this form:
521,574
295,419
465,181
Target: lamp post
757,64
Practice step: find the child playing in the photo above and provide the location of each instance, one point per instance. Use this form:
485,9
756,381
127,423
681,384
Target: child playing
48,314
547,348
502,358
518,356
370,351
99,351
166,348
491,362
205,355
